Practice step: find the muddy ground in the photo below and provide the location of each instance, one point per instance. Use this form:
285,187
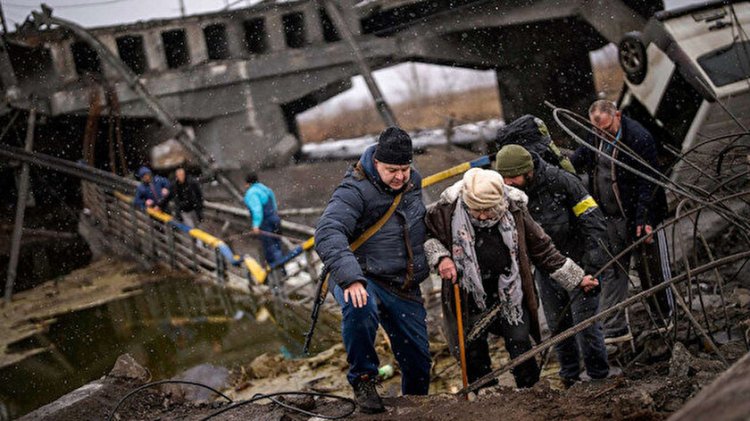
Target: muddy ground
660,375
649,390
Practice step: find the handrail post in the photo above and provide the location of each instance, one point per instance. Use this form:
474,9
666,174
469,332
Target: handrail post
107,216
152,234
219,265
194,249
170,243
134,219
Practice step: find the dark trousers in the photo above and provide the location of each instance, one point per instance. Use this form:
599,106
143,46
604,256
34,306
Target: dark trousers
653,269
405,322
517,341
590,341
271,245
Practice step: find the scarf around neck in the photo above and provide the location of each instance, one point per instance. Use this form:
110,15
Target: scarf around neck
467,263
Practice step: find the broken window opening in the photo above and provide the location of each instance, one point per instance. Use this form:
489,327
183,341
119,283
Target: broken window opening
130,49
330,34
255,36
175,48
85,58
294,29
216,41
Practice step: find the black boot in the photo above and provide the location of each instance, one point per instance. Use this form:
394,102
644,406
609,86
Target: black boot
367,397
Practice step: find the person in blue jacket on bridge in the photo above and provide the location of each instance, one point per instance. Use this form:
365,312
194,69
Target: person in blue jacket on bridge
261,202
152,192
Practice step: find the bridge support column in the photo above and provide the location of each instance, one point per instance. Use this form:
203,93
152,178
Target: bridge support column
562,78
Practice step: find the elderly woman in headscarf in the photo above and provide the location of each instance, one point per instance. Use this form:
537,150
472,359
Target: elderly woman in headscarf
481,236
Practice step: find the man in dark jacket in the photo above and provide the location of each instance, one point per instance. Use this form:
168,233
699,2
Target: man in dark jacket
570,216
188,199
482,230
152,192
633,207
379,282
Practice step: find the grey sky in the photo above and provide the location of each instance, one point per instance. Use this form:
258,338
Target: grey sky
112,12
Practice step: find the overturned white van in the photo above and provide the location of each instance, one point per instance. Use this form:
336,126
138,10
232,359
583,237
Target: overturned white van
688,81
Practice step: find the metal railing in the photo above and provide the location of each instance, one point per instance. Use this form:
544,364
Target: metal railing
158,238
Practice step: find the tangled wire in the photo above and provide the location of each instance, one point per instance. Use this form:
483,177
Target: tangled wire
257,397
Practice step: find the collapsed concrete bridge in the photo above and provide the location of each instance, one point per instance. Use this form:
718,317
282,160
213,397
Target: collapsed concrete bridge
240,77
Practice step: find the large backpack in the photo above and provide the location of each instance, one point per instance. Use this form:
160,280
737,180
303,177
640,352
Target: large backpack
531,133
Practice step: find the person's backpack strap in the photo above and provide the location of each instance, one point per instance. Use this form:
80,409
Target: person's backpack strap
377,225
325,275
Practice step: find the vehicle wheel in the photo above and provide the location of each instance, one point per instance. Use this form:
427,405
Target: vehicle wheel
632,55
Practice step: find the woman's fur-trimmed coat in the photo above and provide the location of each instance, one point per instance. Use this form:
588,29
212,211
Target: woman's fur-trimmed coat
534,247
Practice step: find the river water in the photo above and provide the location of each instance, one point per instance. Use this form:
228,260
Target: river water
169,327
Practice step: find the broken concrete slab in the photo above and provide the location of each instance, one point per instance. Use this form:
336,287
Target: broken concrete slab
725,398
127,368
207,374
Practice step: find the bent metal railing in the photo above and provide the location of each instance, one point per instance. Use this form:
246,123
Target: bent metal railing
159,238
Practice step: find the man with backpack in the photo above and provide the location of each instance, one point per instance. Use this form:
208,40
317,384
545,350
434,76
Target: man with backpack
560,203
531,133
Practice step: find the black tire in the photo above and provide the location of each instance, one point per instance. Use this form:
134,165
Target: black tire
632,56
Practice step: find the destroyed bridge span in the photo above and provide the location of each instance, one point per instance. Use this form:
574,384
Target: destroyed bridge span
239,77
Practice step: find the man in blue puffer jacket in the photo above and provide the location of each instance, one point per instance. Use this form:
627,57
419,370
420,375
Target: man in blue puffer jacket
379,282
152,192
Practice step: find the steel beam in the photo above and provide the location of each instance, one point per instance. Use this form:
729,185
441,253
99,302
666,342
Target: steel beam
23,191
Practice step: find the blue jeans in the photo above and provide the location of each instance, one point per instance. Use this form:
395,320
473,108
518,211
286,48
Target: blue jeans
590,341
271,245
405,323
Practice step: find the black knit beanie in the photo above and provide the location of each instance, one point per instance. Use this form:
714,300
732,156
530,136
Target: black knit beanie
394,147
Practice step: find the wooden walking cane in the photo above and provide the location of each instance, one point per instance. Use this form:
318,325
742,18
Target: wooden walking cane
461,347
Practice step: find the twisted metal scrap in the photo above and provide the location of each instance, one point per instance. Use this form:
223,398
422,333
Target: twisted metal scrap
726,185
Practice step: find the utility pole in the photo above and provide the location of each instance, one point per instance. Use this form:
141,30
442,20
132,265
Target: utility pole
182,8
23,191
338,21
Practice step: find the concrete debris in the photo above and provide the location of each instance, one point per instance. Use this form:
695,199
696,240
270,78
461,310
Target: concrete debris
168,155
306,402
208,374
684,364
709,301
679,365
741,297
127,368
326,356
266,365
